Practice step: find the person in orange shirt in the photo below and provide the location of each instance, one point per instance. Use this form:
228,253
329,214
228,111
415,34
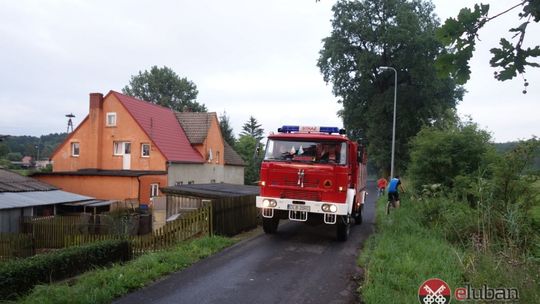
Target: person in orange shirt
381,186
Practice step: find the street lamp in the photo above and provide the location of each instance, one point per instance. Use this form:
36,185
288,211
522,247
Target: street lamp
385,68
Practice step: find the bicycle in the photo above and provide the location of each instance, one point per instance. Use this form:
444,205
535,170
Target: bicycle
393,203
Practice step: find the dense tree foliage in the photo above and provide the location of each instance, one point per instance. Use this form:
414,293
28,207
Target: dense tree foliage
443,155
247,148
226,129
16,146
250,149
460,34
164,87
397,33
253,129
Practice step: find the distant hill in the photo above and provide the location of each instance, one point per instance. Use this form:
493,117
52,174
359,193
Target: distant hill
508,146
13,146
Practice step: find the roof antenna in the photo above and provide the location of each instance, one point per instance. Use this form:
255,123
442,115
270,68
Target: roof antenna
70,122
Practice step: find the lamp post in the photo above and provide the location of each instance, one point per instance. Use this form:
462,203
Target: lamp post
394,123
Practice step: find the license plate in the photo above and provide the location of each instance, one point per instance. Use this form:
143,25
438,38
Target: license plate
298,207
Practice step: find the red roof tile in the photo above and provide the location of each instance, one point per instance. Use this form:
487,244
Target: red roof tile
161,125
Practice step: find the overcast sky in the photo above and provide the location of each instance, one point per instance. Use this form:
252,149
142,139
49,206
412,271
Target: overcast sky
249,57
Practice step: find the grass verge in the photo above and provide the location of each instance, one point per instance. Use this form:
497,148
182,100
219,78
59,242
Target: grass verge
104,285
401,255
431,239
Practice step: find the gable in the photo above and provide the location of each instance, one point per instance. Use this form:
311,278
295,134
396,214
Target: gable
161,125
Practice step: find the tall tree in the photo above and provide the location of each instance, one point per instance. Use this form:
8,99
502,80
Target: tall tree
247,148
253,129
226,129
459,35
397,33
164,87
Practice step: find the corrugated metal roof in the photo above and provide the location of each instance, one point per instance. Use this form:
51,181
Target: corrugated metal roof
91,203
10,200
161,125
14,182
213,190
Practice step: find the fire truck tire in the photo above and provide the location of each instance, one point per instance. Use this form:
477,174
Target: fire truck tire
358,216
270,225
343,228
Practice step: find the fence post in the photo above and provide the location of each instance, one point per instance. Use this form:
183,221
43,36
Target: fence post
208,205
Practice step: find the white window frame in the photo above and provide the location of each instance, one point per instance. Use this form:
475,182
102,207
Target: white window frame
142,150
120,145
77,145
112,115
154,190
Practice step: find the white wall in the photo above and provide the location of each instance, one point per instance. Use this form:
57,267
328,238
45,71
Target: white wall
204,174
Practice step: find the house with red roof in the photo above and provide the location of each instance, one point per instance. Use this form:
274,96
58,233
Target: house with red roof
126,149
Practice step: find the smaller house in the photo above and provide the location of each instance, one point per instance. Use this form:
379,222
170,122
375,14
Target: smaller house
25,196
221,163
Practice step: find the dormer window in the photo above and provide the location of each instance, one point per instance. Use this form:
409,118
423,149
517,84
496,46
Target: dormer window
111,119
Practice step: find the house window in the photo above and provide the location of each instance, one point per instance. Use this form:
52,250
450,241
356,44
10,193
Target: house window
154,190
75,149
145,150
111,119
121,147
217,157
191,182
179,183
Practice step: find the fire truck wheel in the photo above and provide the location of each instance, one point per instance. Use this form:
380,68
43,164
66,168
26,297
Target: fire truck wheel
358,216
270,225
343,228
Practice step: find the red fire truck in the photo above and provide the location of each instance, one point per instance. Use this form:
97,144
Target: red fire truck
315,175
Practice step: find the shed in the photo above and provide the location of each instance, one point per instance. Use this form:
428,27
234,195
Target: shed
25,196
233,206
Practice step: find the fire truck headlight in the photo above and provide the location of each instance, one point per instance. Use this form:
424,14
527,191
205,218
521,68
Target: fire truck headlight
329,208
269,203
263,183
340,189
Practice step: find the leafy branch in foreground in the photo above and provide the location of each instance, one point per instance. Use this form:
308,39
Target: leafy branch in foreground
460,35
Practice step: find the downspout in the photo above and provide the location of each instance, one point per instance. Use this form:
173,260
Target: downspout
139,189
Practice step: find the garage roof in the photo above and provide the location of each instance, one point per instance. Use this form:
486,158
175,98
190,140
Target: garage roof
10,200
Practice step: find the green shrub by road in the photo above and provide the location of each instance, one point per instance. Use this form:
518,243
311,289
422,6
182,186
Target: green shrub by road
104,285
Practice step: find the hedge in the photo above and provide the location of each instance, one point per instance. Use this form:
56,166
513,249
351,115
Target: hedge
19,276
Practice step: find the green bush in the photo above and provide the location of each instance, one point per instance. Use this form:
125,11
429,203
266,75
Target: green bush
438,155
19,276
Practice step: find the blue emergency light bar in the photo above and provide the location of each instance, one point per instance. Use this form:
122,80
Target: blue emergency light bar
310,129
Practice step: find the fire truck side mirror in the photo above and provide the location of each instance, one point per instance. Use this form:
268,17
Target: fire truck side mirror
360,156
258,150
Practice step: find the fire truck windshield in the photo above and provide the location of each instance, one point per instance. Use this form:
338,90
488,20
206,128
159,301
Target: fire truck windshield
326,152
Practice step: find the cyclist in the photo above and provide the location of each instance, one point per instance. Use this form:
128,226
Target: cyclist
393,193
381,185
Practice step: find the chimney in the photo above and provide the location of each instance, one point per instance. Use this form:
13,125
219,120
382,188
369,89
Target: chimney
96,120
96,101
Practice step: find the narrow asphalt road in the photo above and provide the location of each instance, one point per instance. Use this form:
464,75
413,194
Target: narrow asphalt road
299,264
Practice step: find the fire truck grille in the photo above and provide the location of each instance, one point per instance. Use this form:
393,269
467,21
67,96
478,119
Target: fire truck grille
307,183
301,194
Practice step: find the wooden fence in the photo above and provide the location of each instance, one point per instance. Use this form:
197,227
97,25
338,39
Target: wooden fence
231,214
60,232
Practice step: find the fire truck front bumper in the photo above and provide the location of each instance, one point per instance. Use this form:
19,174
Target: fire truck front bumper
298,210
